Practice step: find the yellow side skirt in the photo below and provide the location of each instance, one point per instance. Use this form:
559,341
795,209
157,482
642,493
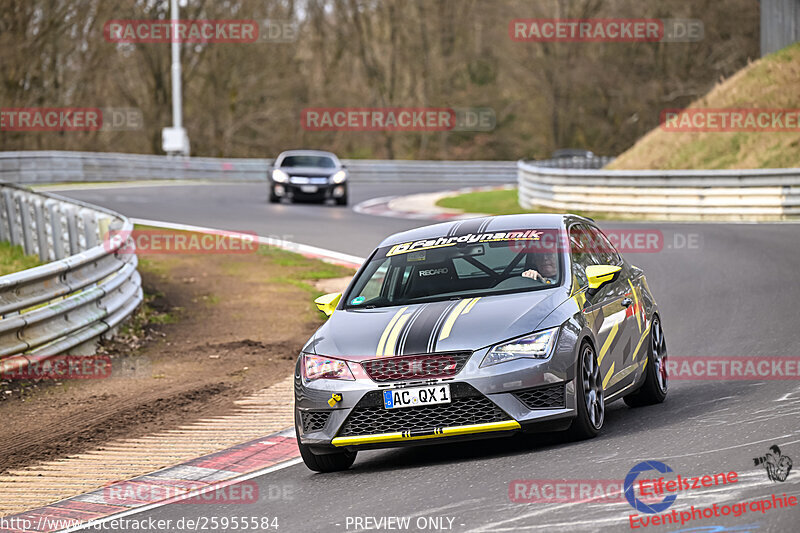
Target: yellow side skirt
442,432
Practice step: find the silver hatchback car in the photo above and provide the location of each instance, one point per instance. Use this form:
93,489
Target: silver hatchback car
478,328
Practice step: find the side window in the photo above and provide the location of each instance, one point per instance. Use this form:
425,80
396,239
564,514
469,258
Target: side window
602,248
580,256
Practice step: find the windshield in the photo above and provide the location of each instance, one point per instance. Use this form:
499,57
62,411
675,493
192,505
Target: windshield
456,267
320,161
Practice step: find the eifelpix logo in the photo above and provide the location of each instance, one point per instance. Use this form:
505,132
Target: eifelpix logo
775,463
630,481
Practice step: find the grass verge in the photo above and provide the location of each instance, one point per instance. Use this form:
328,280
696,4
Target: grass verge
501,202
13,259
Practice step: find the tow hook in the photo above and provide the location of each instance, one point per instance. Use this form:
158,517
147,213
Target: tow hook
335,398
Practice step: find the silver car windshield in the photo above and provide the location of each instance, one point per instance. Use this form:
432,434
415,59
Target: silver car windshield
319,161
429,271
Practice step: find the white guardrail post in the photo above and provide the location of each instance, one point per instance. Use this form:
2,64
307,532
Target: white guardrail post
761,194
88,288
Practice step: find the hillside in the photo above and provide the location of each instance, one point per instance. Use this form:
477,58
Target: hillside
772,82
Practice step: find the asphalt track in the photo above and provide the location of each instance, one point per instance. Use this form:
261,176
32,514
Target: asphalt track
723,290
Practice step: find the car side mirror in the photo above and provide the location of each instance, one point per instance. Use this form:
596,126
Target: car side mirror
327,303
599,275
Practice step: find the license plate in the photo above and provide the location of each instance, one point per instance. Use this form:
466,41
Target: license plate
308,188
414,397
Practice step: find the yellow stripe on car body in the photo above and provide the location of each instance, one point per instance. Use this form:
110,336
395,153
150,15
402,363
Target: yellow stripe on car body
398,436
385,334
462,308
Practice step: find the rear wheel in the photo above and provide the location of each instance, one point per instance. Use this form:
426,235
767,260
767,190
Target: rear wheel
330,462
656,382
589,392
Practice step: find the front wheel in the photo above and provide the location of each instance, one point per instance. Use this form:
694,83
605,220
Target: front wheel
331,462
590,396
656,383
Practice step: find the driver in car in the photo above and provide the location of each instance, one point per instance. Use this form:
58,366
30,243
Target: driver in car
547,265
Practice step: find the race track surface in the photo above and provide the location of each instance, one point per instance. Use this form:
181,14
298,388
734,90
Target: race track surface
723,290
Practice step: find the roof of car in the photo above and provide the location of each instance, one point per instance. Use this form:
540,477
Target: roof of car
481,225
307,152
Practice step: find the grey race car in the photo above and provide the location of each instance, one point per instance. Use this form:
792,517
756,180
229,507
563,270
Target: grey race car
478,328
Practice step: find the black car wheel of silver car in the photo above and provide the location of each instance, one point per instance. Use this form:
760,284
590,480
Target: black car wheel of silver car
656,381
330,462
590,397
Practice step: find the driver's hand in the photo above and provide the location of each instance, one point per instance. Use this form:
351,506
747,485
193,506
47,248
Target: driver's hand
532,274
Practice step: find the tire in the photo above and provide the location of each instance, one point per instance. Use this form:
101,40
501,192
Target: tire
272,198
342,200
589,394
656,382
333,462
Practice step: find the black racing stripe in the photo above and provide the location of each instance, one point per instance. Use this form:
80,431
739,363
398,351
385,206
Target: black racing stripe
626,352
454,228
437,329
401,340
472,225
419,333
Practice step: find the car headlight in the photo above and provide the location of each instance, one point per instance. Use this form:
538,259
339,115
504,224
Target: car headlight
339,177
279,176
321,367
535,346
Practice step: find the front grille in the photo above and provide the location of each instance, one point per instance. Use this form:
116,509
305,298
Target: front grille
546,397
314,420
308,180
468,406
408,367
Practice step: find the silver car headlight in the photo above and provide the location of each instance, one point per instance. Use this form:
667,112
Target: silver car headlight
539,345
339,177
279,176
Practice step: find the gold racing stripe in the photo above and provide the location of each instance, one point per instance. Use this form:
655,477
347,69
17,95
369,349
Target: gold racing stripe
391,342
451,319
607,344
385,334
636,350
608,376
471,305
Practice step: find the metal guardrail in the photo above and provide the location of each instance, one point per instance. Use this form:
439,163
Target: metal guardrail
54,167
767,194
87,289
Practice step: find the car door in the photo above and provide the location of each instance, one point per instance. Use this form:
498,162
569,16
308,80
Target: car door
607,310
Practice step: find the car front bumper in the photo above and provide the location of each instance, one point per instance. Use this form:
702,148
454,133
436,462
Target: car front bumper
328,191
526,394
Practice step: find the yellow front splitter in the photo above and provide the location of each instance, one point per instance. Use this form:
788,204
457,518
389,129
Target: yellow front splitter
404,436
